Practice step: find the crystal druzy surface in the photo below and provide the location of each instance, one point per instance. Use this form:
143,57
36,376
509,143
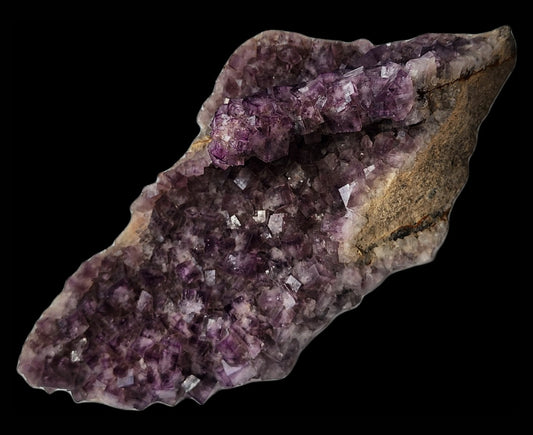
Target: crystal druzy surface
321,167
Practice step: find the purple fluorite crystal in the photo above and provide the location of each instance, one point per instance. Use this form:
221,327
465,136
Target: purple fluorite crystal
321,167
265,124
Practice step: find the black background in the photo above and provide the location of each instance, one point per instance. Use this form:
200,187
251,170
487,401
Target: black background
100,108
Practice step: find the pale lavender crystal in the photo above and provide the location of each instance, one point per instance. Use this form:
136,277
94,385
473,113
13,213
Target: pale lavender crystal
321,168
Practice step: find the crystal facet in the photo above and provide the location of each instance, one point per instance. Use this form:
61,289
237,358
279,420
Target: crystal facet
321,168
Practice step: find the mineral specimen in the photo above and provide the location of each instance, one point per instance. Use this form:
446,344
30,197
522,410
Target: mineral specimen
321,167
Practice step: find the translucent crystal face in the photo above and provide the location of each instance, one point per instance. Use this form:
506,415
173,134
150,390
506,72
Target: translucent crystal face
321,168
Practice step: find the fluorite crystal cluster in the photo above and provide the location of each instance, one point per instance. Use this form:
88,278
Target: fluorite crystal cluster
321,167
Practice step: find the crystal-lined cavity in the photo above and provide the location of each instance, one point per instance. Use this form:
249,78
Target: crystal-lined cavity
321,168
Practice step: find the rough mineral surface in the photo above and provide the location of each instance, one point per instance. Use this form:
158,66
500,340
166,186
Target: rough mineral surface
321,168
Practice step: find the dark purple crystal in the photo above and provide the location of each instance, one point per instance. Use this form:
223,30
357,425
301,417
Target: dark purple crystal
244,250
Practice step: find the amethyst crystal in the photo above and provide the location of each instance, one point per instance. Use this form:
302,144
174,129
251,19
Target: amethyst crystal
321,167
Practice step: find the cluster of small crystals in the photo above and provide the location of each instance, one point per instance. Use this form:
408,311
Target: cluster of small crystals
263,124
243,269
239,266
